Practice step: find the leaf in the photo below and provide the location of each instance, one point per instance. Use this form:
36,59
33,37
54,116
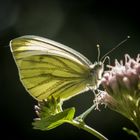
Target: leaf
53,121
49,107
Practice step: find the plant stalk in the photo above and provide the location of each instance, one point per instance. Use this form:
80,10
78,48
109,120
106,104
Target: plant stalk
87,128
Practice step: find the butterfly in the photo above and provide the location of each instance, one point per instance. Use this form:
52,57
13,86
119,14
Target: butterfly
48,68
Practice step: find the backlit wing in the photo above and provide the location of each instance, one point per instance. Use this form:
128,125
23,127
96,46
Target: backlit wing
50,68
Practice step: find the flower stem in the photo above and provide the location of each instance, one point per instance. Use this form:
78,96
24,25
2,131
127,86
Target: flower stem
84,114
87,128
132,132
79,122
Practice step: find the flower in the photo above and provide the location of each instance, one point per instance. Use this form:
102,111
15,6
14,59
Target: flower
122,88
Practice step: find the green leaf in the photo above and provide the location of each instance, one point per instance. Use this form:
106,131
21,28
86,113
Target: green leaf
53,121
48,107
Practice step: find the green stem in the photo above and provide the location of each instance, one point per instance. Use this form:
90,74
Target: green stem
84,114
79,122
131,132
87,128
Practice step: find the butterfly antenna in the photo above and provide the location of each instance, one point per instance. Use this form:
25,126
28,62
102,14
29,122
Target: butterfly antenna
98,48
106,58
115,48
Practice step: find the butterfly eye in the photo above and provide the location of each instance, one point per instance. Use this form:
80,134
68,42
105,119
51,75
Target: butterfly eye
97,66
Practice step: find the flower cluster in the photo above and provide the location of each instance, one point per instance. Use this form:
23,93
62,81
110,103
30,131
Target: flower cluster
122,88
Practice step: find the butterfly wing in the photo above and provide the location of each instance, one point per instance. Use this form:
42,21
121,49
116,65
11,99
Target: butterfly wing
50,68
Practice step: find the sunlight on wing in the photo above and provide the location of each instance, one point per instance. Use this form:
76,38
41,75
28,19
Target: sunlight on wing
49,68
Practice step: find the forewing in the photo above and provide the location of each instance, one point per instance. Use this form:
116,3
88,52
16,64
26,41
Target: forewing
45,45
48,70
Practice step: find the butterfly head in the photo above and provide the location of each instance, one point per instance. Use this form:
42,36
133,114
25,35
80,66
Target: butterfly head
96,71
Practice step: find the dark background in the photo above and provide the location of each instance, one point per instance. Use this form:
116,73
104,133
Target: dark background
80,24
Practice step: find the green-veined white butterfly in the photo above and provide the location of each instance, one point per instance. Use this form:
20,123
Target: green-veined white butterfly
49,68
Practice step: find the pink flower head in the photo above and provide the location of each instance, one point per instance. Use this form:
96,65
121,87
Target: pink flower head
122,88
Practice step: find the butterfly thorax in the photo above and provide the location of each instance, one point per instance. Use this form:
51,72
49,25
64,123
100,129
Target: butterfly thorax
96,71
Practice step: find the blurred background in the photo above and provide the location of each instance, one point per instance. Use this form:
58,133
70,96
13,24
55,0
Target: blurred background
80,24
